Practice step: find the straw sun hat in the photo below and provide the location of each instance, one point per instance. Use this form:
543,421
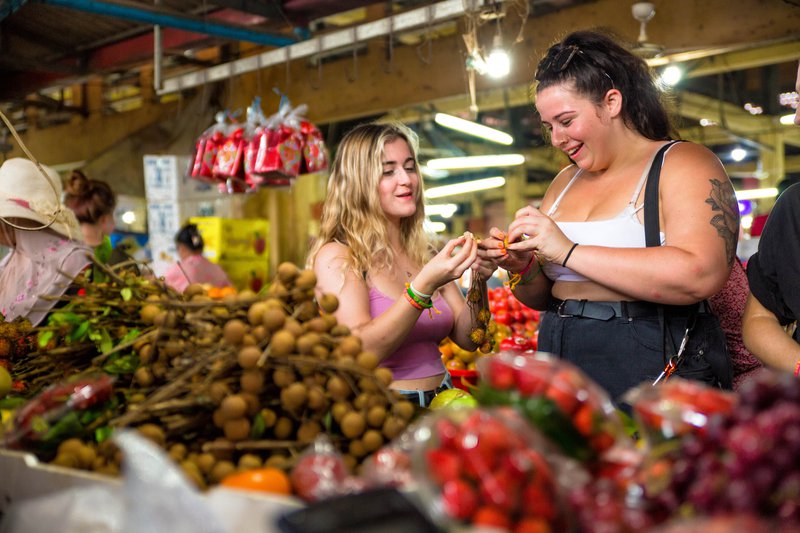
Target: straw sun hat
31,201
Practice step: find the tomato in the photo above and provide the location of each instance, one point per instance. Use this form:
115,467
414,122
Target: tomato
443,465
459,499
492,517
501,316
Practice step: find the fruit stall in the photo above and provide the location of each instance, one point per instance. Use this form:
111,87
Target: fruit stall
263,401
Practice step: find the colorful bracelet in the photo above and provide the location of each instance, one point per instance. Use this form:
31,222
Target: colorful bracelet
420,294
426,303
413,302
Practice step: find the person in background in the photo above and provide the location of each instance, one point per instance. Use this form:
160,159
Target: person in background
44,237
394,292
773,305
93,203
617,308
192,267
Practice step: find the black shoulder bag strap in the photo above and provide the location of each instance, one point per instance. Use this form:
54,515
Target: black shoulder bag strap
652,234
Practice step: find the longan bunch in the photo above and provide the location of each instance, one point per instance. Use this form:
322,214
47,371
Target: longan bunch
478,301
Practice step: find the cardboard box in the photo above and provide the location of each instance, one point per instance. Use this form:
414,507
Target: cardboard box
228,239
250,274
166,177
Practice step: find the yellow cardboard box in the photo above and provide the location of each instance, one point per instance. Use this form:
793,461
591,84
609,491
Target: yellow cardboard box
227,238
247,273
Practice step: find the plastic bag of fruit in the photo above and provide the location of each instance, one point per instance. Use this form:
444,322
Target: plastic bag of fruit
676,408
60,411
321,473
557,398
489,468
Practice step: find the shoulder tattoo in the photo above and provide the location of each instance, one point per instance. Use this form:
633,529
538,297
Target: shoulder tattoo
722,200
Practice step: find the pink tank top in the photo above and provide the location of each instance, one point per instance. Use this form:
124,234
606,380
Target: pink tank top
418,356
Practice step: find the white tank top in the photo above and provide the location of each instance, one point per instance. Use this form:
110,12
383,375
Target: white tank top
622,231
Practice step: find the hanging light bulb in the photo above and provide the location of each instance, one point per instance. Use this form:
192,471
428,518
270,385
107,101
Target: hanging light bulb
738,154
498,64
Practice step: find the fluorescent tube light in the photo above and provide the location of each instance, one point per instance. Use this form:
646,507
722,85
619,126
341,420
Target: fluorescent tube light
442,210
434,227
473,128
752,194
433,173
477,161
465,187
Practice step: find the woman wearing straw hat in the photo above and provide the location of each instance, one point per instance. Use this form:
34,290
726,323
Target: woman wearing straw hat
47,251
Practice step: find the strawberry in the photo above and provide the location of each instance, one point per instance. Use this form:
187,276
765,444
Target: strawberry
443,465
583,420
501,375
459,499
537,502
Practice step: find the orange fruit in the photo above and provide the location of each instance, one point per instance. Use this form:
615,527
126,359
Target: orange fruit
266,479
455,364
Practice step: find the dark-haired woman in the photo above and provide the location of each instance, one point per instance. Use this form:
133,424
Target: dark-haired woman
620,304
93,203
192,267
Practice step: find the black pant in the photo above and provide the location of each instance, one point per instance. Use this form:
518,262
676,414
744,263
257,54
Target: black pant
623,351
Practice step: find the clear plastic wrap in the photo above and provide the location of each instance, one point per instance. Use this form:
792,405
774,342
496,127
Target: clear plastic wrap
557,398
676,408
60,411
489,468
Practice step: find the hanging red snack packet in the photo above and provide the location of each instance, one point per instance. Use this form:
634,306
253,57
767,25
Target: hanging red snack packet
229,162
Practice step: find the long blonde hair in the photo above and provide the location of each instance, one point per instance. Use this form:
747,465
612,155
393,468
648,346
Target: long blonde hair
352,214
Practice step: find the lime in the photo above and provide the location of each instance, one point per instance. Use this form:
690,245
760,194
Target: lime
453,398
5,382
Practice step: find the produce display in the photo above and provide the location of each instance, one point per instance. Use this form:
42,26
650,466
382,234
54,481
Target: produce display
225,385
265,391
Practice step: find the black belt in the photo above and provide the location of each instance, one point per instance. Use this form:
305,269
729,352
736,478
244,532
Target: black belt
621,309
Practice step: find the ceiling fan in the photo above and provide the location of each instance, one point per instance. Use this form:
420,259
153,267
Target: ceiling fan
644,12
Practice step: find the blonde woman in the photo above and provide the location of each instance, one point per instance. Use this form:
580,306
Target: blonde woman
372,252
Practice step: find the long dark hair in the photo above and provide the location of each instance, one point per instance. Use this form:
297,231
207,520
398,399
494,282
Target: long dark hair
595,63
190,237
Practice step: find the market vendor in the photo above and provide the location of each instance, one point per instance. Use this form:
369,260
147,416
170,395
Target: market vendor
373,254
192,266
47,250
